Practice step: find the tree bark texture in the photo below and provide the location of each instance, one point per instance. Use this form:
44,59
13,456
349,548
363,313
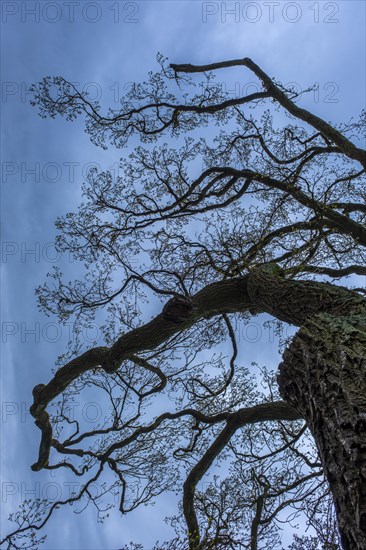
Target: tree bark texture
323,375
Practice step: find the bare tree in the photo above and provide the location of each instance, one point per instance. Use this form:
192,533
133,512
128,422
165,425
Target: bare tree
267,216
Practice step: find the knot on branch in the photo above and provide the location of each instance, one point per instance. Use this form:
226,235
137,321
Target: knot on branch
37,390
110,365
178,309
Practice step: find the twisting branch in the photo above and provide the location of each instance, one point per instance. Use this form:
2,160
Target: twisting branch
274,91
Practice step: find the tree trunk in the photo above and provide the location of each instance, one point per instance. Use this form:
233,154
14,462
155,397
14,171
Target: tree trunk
323,375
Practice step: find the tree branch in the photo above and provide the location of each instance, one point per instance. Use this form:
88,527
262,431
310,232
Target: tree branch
316,122
259,413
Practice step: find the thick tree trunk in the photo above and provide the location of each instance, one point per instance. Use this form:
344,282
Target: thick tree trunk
323,375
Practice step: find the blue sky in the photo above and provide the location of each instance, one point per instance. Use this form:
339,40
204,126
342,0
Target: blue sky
105,46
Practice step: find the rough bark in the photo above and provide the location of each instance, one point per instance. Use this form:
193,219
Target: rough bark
323,375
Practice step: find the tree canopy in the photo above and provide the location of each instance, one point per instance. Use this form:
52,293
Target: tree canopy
253,205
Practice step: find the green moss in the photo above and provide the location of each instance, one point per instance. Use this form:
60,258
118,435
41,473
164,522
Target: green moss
272,269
